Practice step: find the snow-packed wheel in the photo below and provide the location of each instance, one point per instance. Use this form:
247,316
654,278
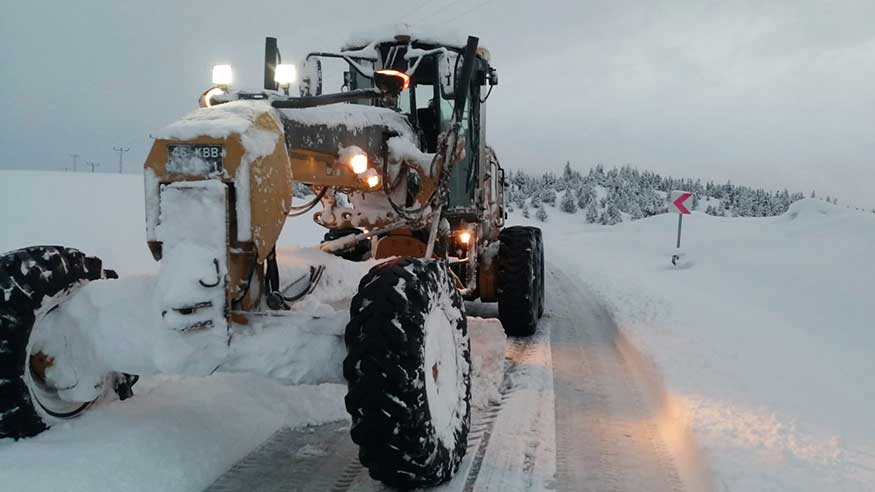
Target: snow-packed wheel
32,282
520,288
408,373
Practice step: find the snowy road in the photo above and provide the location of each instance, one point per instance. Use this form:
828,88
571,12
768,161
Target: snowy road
614,430
577,379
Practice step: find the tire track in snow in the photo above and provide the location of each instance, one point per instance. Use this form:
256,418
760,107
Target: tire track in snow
608,423
518,453
312,459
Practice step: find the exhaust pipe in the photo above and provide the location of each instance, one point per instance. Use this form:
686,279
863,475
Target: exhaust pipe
465,80
271,58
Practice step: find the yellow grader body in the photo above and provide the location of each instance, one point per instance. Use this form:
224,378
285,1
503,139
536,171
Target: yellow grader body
399,164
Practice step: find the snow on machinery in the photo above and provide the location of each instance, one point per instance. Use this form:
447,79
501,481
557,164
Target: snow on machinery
399,164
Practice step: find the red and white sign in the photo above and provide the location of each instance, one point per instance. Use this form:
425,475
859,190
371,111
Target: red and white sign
678,198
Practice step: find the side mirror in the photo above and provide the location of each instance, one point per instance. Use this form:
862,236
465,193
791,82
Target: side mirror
447,65
311,82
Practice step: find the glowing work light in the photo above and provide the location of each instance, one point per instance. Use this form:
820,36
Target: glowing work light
222,75
359,163
285,74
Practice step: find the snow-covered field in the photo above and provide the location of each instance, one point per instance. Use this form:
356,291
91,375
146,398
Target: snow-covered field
764,336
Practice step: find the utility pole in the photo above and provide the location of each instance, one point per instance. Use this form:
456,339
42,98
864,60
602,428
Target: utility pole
75,160
121,151
93,165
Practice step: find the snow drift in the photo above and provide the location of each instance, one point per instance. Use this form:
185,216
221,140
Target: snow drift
765,340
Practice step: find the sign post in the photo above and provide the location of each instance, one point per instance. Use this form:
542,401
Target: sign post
677,199
680,223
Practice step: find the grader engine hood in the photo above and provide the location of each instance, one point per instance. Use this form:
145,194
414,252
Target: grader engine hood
315,136
238,143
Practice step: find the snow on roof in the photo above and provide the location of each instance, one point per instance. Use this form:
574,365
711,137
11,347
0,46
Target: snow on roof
423,33
351,116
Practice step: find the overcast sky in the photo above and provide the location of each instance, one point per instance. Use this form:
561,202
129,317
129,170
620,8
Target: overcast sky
767,93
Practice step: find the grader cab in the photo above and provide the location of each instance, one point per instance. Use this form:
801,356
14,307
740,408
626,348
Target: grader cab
399,173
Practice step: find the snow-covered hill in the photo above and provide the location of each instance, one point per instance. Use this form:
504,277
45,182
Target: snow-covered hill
765,334
615,195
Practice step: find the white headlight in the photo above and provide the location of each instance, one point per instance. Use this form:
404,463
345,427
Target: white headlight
222,75
359,163
285,74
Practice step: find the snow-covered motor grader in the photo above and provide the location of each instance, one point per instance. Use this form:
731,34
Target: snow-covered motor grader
398,163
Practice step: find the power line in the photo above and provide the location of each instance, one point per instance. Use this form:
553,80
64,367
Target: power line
481,4
415,9
75,160
440,7
121,151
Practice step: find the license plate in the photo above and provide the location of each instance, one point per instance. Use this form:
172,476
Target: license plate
195,159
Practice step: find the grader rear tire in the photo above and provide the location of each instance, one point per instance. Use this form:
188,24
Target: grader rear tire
32,280
408,373
520,289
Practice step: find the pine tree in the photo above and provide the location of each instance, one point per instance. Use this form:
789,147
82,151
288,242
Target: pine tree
567,173
635,211
585,195
592,213
568,203
525,209
613,214
549,196
541,214
631,191
813,194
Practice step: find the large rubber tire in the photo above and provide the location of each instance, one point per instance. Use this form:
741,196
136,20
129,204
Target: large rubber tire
410,403
541,278
520,289
30,280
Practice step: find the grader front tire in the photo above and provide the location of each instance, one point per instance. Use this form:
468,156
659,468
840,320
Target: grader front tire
30,280
408,373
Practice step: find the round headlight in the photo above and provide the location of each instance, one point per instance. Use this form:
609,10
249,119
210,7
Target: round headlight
359,163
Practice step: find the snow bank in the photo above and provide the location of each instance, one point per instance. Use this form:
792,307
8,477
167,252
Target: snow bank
765,339
176,434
